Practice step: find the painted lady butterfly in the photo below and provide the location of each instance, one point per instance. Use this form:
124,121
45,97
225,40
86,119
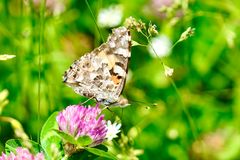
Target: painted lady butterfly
101,74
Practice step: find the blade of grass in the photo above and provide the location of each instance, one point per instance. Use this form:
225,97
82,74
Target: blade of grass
42,11
186,112
94,19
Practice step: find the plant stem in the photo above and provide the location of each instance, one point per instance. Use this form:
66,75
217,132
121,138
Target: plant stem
42,11
193,129
94,19
186,112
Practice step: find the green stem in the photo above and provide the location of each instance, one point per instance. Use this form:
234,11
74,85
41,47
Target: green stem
94,19
142,45
186,112
149,42
42,11
193,129
174,45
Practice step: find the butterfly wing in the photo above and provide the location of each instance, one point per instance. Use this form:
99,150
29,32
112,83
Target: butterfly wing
101,74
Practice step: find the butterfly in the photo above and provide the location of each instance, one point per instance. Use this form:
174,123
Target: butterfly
101,74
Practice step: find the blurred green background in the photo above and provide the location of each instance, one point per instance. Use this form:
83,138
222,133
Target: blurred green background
206,72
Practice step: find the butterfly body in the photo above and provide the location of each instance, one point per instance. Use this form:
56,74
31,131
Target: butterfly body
101,74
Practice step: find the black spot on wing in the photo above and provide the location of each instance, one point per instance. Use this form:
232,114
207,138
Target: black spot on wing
112,72
120,64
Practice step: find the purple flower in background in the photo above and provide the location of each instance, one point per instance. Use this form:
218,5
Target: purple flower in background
167,8
78,121
22,154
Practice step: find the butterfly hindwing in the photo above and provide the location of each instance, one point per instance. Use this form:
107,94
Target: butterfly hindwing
101,74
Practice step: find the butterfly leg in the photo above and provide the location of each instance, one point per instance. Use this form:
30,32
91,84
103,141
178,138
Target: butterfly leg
86,101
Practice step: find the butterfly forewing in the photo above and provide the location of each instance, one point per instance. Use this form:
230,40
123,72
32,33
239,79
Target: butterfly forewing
101,74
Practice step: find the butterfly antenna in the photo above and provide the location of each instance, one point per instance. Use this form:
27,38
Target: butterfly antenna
148,105
94,19
107,107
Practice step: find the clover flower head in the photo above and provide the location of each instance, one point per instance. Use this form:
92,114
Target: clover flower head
113,130
110,17
79,121
160,46
21,154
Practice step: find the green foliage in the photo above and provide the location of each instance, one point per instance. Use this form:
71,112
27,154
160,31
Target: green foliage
50,141
194,114
80,142
12,144
101,153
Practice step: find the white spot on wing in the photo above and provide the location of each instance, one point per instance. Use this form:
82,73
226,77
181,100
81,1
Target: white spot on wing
119,70
124,52
112,44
